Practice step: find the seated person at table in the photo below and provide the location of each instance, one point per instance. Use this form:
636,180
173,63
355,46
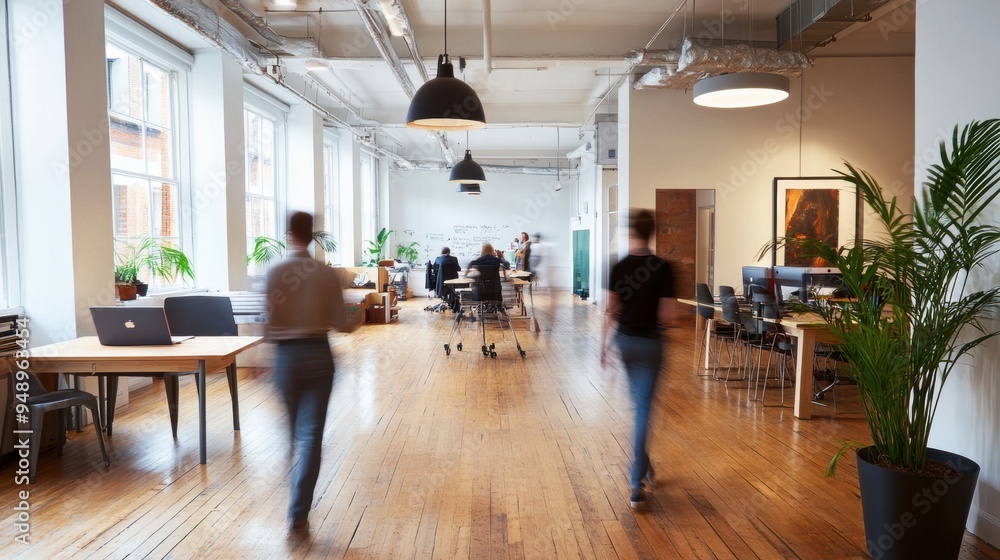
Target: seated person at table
503,262
447,269
486,269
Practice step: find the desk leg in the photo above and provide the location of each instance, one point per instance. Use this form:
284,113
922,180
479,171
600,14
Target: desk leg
804,373
201,412
709,323
102,403
78,409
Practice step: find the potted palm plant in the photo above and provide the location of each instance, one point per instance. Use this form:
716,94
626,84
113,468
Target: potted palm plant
915,314
159,258
266,249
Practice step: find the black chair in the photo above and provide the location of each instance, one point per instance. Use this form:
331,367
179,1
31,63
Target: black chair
706,310
447,269
773,339
732,314
726,291
201,316
191,316
40,400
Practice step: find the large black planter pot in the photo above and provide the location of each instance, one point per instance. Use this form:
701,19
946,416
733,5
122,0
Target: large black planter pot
915,516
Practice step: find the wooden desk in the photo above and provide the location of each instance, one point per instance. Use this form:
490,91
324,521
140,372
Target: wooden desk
86,356
808,329
460,281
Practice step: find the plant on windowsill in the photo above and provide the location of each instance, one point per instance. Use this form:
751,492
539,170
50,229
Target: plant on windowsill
159,258
918,310
376,248
266,249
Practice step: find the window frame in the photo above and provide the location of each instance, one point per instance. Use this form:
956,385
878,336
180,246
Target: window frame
333,218
264,105
137,40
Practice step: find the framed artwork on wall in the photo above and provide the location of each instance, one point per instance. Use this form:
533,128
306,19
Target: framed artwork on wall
825,208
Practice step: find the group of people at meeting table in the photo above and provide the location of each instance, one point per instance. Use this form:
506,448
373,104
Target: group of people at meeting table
446,266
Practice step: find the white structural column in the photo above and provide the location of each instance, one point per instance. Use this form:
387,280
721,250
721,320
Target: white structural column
954,90
63,164
305,164
218,161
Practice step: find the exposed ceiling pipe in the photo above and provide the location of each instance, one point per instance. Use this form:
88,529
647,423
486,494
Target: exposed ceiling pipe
353,109
380,38
258,23
409,38
205,21
487,38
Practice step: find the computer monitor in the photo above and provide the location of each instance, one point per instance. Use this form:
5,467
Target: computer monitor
794,283
756,276
823,284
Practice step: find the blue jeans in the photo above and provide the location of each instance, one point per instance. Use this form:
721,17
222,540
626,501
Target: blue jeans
643,358
303,375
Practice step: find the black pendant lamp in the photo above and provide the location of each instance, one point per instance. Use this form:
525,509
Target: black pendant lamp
469,188
467,171
445,103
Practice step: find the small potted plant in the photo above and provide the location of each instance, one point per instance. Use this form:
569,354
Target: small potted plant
408,253
125,282
159,258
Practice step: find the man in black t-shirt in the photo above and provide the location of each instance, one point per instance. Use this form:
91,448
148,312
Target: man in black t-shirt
640,300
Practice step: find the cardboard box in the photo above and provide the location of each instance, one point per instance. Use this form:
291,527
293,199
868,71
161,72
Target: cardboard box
356,311
376,314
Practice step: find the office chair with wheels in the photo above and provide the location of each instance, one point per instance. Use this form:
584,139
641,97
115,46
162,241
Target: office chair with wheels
486,302
40,400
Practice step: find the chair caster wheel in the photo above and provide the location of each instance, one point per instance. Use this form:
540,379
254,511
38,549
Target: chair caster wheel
493,355
447,350
493,346
459,346
523,353
486,351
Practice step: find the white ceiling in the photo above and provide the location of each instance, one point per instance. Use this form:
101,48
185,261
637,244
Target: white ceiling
553,61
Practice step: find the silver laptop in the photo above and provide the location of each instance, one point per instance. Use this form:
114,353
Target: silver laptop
133,326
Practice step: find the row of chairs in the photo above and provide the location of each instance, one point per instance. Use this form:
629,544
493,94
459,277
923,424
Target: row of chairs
749,333
186,316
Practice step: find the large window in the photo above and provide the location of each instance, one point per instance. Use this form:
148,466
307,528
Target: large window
263,129
369,198
331,185
144,125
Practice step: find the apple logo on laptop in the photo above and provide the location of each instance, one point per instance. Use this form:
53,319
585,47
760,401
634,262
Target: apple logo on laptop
129,324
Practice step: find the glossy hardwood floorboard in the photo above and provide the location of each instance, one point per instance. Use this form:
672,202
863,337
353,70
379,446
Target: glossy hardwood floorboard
461,456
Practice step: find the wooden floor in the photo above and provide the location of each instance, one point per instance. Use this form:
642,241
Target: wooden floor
428,456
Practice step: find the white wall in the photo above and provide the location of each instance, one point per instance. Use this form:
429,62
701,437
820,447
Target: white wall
424,207
63,165
857,109
954,85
